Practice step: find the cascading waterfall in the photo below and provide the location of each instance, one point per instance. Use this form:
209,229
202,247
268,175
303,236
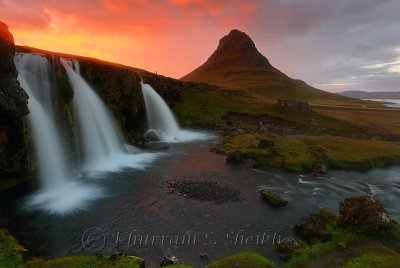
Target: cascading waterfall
98,137
34,77
159,116
161,119
59,193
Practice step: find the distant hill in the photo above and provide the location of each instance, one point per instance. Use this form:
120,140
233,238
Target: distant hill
237,64
371,95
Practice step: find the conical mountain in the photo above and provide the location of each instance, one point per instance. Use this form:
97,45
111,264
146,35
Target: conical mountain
237,64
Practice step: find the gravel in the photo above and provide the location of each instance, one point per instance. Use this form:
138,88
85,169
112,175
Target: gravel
204,190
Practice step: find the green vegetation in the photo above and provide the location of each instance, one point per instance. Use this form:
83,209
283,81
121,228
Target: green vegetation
91,261
299,152
246,259
361,251
208,108
379,257
10,250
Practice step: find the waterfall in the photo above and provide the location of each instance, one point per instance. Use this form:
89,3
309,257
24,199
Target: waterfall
161,119
159,116
60,192
97,135
98,138
34,77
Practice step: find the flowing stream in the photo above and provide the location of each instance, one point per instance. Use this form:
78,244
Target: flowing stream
138,203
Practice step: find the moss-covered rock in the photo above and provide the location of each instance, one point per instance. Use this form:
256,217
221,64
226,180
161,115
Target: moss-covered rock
363,214
273,199
246,259
315,226
287,247
10,250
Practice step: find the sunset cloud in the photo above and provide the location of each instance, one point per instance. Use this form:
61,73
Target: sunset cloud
321,42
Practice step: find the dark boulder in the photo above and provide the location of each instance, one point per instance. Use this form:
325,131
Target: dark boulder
169,260
273,199
287,247
153,135
315,226
363,214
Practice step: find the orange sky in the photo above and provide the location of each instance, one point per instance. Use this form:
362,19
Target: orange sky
333,45
171,37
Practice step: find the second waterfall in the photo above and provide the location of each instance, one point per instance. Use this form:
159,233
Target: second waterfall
161,121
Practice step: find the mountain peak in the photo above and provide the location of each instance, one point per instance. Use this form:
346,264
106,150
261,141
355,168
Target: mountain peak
236,42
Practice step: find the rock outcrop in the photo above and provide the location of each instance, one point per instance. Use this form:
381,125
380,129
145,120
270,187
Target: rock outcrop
14,163
314,226
363,214
287,247
273,199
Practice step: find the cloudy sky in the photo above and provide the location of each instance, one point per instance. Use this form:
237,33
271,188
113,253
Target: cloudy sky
333,45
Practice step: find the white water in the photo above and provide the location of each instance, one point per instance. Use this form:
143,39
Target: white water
33,75
59,193
98,137
161,118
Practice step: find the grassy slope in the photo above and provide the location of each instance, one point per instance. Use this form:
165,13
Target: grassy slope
345,134
297,151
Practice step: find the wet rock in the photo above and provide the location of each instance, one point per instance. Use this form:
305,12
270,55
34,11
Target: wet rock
320,168
204,190
314,226
169,260
153,135
273,199
363,214
287,247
